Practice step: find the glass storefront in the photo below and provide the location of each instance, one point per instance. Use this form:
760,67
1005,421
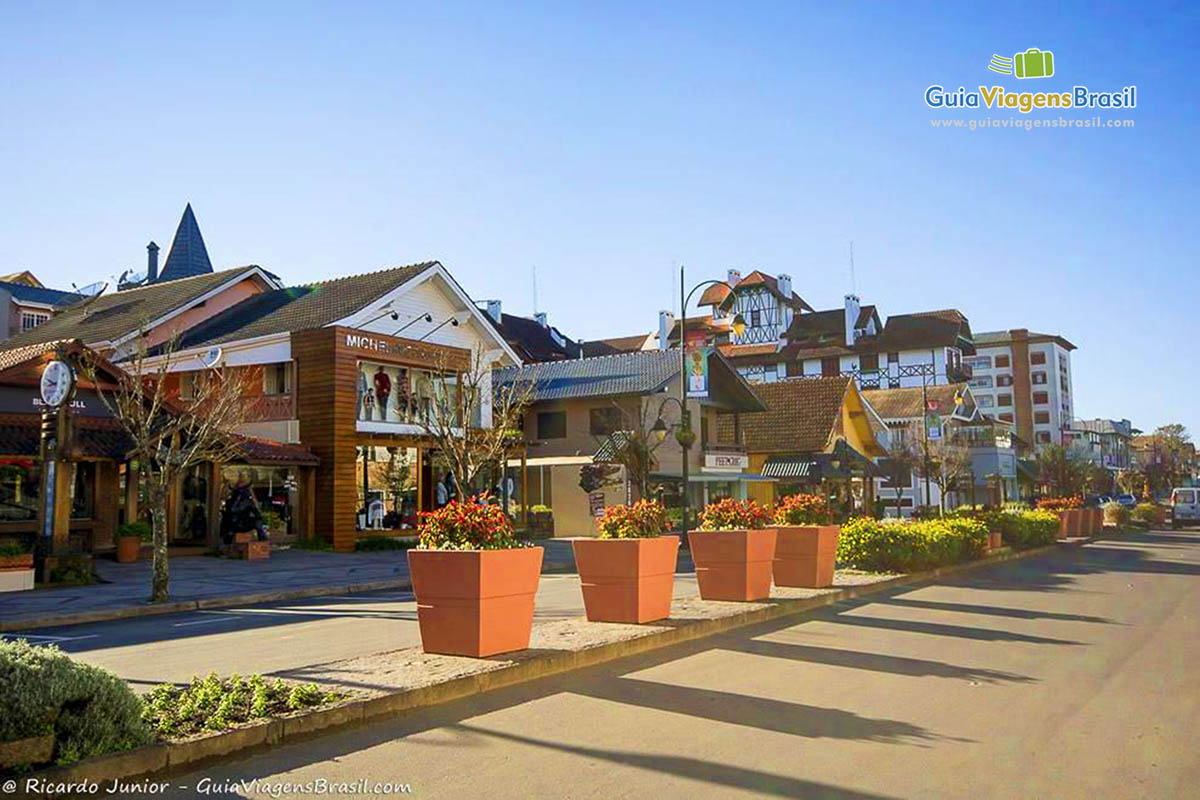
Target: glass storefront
20,489
388,475
275,490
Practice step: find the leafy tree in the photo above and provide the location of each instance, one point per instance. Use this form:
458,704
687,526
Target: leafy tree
1061,471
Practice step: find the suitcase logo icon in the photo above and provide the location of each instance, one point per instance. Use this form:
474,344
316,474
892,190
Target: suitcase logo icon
1033,63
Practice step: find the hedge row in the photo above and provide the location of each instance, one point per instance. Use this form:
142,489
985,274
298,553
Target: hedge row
1022,530
896,546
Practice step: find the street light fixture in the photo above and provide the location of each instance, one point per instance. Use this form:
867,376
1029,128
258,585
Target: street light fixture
426,317
684,435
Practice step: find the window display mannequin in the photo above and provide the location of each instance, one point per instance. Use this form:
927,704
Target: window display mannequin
383,390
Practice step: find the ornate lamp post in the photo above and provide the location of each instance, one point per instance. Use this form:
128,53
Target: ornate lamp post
685,435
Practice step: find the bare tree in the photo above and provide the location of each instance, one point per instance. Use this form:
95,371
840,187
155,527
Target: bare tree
457,395
631,444
903,459
948,465
171,431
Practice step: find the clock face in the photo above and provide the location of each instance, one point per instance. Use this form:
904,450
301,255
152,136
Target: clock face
57,380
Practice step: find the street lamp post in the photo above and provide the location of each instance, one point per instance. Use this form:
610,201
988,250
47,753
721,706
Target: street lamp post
684,435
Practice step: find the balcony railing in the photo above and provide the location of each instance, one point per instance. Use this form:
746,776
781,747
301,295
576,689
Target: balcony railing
271,408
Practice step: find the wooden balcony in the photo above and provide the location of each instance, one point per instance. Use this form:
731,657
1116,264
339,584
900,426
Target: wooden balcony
271,408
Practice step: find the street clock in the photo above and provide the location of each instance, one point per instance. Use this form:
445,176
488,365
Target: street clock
57,381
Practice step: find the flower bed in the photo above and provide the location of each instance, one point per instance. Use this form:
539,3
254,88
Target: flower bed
1022,530
896,546
216,704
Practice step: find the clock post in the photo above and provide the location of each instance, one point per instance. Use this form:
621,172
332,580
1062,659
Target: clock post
54,512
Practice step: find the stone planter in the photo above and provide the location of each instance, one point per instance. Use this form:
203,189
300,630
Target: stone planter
733,565
475,602
1070,523
805,555
128,549
627,580
26,752
21,562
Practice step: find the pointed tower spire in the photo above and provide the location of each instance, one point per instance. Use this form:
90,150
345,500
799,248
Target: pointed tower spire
188,254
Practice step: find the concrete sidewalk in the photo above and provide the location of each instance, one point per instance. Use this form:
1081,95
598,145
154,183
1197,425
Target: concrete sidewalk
209,582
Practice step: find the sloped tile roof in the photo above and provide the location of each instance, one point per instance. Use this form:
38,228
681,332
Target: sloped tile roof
617,344
265,452
800,418
717,293
908,403
993,338
531,341
640,372
12,356
298,308
40,294
188,257
925,329
116,314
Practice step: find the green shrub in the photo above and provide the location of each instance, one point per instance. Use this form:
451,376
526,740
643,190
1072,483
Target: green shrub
89,710
1115,514
12,550
140,529
73,570
897,546
217,704
375,543
1022,530
1146,513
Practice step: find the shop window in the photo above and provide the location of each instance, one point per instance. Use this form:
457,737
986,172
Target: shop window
603,421
1041,417
795,369
552,425
1037,357
1040,398
20,488
1002,362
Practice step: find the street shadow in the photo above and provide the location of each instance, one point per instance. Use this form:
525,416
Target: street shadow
762,713
995,611
940,629
716,774
873,662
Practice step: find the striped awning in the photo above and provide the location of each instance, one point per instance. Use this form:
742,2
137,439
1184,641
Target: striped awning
790,467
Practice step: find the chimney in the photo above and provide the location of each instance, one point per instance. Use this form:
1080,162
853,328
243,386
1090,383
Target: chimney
733,277
151,262
853,309
666,321
541,319
784,282
493,310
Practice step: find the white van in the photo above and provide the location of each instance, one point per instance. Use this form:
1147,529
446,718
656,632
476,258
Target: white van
1185,507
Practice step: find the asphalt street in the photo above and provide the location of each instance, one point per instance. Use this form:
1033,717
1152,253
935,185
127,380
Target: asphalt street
1070,675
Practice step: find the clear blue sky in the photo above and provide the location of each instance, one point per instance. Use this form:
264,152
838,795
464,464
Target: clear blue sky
604,143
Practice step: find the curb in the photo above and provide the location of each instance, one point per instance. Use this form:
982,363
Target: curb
167,756
179,606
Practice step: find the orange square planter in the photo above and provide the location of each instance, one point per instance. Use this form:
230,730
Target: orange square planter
733,565
475,602
995,540
128,549
805,555
627,580
1070,523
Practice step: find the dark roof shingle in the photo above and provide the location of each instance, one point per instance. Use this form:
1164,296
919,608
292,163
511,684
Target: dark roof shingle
298,308
801,416
40,294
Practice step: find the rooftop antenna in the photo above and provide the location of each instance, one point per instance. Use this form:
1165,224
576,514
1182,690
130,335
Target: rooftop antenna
535,303
853,279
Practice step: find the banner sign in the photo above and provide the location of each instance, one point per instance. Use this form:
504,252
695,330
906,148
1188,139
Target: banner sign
697,371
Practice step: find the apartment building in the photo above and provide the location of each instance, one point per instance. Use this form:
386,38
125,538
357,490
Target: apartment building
1024,377
785,337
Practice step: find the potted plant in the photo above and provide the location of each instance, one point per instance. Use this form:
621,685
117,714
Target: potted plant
1070,514
474,582
129,540
806,542
733,551
628,574
16,568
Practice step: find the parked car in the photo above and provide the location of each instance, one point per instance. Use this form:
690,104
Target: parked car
1126,500
1185,507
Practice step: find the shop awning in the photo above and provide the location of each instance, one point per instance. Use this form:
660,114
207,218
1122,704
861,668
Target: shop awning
791,467
842,464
